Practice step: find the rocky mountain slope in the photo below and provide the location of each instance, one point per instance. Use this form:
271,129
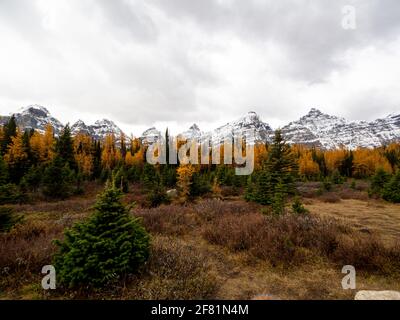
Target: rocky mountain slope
38,117
35,117
98,130
330,132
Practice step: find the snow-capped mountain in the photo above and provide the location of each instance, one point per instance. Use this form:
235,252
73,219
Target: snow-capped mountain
330,132
35,117
315,128
243,127
194,132
150,136
80,127
38,117
98,130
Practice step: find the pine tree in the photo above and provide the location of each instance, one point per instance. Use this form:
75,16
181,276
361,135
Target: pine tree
120,179
9,131
107,246
3,172
58,179
281,163
7,219
277,175
65,148
279,198
378,181
391,190
264,188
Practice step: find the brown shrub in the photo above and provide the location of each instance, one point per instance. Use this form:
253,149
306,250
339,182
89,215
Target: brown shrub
367,253
230,191
308,189
330,198
348,193
172,219
290,240
213,208
70,205
25,250
235,232
175,270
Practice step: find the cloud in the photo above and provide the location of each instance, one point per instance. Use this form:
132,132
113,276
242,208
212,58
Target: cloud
177,62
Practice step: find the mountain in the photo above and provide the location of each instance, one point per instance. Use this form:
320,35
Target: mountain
98,130
243,127
315,129
194,132
150,136
38,117
35,117
330,132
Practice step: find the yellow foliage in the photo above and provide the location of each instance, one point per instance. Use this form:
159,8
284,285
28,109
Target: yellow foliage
260,155
333,159
185,174
42,145
15,152
110,155
367,161
307,167
83,153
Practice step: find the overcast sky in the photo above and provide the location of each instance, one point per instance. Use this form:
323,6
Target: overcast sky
175,62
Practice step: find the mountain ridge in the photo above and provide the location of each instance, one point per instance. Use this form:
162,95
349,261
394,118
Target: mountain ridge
314,129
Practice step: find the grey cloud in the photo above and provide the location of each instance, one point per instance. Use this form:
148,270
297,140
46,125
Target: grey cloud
149,61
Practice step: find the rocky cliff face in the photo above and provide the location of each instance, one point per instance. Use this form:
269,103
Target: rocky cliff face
330,132
35,117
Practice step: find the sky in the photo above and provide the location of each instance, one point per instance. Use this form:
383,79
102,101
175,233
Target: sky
177,62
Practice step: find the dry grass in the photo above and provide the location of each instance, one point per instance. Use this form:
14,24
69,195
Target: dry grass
222,250
367,216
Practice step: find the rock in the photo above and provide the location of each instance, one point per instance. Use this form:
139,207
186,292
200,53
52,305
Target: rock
172,193
377,295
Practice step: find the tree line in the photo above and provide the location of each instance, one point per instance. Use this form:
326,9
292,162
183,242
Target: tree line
39,163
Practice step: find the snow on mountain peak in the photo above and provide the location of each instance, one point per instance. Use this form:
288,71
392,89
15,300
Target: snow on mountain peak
35,110
194,127
315,128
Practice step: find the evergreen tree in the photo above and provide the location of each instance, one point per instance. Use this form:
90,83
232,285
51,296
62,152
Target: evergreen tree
120,179
281,163
150,176
96,154
107,246
168,175
65,148
3,172
7,219
10,131
32,178
378,181
391,190
346,166
279,198
58,179
264,188
277,176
